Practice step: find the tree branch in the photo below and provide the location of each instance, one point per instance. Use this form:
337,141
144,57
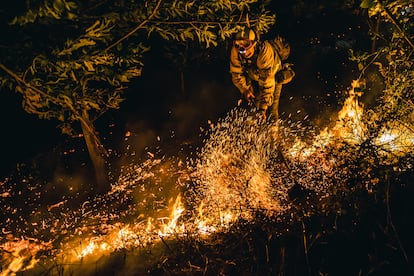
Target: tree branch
26,85
37,90
203,22
136,28
397,24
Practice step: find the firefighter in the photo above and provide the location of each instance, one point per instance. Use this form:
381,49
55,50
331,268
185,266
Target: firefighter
257,71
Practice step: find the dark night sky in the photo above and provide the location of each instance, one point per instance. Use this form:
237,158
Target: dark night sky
319,43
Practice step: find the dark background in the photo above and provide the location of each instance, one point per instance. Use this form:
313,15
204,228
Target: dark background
320,35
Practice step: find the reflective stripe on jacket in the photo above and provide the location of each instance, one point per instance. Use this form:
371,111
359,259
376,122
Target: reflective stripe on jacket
261,67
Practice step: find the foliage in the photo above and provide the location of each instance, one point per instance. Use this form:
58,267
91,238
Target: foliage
81,65
392,33
72,60
78,77
56,9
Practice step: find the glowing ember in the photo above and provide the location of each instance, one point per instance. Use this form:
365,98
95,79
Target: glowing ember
397,139
245,166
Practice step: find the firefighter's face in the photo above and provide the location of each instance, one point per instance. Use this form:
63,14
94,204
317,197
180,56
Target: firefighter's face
245,47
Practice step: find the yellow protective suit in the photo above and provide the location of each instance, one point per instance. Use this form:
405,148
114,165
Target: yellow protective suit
260,68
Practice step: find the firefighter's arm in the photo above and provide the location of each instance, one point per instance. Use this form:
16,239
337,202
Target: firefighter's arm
243,85
266,89
268,63
238,77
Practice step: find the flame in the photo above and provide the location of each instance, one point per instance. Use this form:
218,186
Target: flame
136,235
90,248
171,227
230,182
20,263
133,235
349,125
350,128
232,178
20,255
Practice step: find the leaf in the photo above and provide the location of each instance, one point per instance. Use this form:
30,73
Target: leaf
70,5
58,5
91,28
124,78
89,66
19,89
89,103
367,4
73,76
51,11
84,42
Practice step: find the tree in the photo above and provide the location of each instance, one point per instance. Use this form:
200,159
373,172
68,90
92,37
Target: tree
71,61
391,29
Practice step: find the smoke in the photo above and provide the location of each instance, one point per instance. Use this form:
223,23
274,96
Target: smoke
207,100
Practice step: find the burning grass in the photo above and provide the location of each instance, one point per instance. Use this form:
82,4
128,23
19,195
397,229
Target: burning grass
256,198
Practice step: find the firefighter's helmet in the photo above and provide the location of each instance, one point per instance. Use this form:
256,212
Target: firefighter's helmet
244,40
246,34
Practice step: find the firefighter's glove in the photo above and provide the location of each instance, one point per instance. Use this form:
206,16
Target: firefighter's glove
261,114
249,95
285,75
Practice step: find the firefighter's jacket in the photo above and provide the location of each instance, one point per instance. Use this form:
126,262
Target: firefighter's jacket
261,68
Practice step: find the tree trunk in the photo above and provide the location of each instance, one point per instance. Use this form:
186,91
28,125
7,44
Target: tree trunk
97,153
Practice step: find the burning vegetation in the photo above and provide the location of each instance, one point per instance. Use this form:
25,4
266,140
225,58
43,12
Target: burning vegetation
254,197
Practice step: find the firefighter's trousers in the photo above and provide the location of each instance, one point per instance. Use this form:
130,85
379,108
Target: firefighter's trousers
274,109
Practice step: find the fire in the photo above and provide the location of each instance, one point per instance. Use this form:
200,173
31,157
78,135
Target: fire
133,235
141,235
397,139
20,263
90,248
237,173
349,125
171,227
350,128
20,255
